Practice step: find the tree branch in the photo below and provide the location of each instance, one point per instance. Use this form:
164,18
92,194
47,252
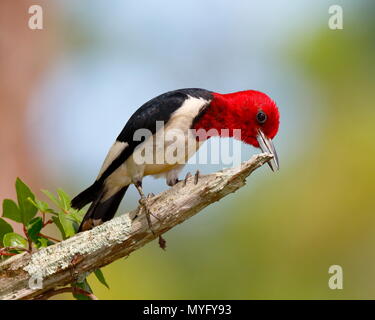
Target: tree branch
73,259
74,290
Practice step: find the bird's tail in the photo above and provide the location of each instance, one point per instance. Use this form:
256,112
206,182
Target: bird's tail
87,196
100,210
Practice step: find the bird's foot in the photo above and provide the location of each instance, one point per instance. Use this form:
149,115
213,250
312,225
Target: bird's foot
149,196
143,203
196,177
188,176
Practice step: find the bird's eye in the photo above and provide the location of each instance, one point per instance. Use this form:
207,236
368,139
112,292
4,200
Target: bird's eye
261,117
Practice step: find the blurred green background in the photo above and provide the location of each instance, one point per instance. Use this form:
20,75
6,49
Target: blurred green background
68,90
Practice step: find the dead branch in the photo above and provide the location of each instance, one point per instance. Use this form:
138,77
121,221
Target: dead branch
27,276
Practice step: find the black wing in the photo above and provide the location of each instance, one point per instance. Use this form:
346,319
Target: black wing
157,109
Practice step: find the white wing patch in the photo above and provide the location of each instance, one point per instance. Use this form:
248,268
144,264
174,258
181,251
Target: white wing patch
113,153
188,111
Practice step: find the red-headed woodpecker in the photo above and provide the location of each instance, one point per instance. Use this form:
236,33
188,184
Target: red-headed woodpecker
253,112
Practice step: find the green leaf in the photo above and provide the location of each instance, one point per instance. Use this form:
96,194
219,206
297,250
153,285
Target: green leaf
83,285
76,215
11,210
59,226
100,276
14,240
43,242
33,229
67,224
27,209
5,228
64,199
42,206
52,198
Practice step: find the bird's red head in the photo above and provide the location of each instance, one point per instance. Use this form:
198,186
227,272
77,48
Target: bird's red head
253,112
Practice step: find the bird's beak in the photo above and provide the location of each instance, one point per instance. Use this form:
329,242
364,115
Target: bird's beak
267,146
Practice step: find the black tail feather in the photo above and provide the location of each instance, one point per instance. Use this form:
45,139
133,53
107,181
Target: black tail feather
87,196
101,211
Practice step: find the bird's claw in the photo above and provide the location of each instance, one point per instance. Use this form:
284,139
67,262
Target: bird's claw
196,177
188,176
143,202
